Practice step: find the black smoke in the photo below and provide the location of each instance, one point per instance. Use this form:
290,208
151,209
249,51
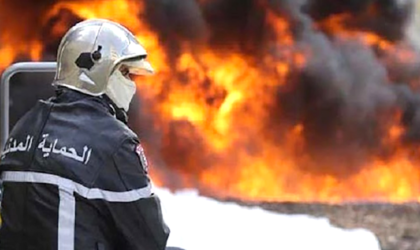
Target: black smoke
345,97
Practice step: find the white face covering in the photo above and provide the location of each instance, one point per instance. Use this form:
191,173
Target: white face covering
121,90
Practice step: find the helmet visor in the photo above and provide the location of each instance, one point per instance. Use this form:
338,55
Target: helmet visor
139,67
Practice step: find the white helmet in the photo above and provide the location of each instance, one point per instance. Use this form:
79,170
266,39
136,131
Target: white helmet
90,56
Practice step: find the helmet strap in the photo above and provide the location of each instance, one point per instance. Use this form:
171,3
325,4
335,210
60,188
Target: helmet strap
119,113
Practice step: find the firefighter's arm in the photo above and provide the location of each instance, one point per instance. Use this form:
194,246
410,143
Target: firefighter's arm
139,222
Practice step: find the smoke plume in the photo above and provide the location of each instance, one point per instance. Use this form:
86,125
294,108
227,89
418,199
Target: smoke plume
357,80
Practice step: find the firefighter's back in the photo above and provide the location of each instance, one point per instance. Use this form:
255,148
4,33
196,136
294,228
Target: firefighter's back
57,165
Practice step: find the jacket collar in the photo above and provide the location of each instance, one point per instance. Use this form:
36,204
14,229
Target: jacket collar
66,95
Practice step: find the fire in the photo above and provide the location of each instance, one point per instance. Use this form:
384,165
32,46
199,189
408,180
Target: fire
214,103
11,50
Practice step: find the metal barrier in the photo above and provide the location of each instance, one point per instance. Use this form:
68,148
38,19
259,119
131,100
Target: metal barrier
23,67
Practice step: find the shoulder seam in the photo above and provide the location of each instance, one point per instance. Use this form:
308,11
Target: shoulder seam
126,138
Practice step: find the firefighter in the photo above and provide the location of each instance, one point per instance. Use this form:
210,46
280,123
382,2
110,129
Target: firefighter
74,175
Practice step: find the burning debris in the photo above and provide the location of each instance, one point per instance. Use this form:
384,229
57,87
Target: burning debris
262,99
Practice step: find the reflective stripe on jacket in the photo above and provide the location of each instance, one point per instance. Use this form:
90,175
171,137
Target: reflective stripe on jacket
73,179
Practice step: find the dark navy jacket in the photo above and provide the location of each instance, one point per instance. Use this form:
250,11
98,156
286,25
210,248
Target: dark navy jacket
75,177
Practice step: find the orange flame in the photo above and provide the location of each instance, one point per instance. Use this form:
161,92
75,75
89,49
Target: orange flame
226,114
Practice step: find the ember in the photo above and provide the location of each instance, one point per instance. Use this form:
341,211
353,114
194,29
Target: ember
261,100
